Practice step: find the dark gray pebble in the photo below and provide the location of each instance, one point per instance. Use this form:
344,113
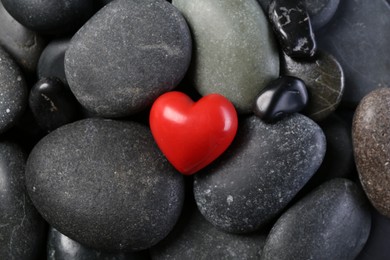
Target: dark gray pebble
321,11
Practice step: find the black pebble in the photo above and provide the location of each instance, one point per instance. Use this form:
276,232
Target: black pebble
283,96
52,104
292,27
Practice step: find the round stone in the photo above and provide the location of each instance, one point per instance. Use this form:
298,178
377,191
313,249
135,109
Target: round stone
321,11
332,222
22,230
149,53
105,184
13,92
371,141
235,54
52,17
260,173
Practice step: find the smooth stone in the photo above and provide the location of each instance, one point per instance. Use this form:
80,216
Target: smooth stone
371,142
22,230
105,184
291,24
260,173
359,38
283,96
61,247
321,12
50,17
150,51
52,60
324,80
13,92
52,104
195,238
235,54
332,222
23,44
377,246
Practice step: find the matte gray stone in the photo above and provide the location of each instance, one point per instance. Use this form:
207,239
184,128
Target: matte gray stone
332,222
13,92
321,11
359,38
260,173
127,55
105,184
235,53
22,229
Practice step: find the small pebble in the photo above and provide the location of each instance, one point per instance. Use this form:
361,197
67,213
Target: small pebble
321,12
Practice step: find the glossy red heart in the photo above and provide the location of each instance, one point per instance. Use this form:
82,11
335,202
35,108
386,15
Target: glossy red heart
192,134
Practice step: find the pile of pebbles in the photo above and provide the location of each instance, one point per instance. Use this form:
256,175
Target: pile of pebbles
306,177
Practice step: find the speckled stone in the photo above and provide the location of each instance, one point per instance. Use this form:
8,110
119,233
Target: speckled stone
52,17
234,49
61,247
260,173
13,92
23,44
324,80
194,237
371,141
149,53
333,222
105,184
321,11
22,230
359,38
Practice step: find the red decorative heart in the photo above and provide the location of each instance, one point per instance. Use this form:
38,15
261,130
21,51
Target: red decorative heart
192,135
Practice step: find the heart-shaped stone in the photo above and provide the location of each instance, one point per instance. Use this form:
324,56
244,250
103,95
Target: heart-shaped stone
192,135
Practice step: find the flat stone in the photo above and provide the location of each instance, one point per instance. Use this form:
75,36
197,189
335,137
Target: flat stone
52,60
292,27
371,141
324,79
13,92
150,51
332,222
260,173
105,184
23,44
321,12
61,247
52,104
51,17
359,38
235,54
194,237
22,230
283,96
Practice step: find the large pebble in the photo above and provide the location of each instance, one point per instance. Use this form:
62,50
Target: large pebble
47,16
22,230
260,173
234,50
324,79
13,92
359,38
371,141
105,184
23,44
333,222
149,52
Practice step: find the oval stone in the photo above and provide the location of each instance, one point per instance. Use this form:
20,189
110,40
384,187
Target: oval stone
260,173
321,11
149,53
332,222
105,184
22,230
235,54
324,79
13,92
371,142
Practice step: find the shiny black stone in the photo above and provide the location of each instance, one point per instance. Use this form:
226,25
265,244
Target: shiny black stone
52,104
291,24
283,96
